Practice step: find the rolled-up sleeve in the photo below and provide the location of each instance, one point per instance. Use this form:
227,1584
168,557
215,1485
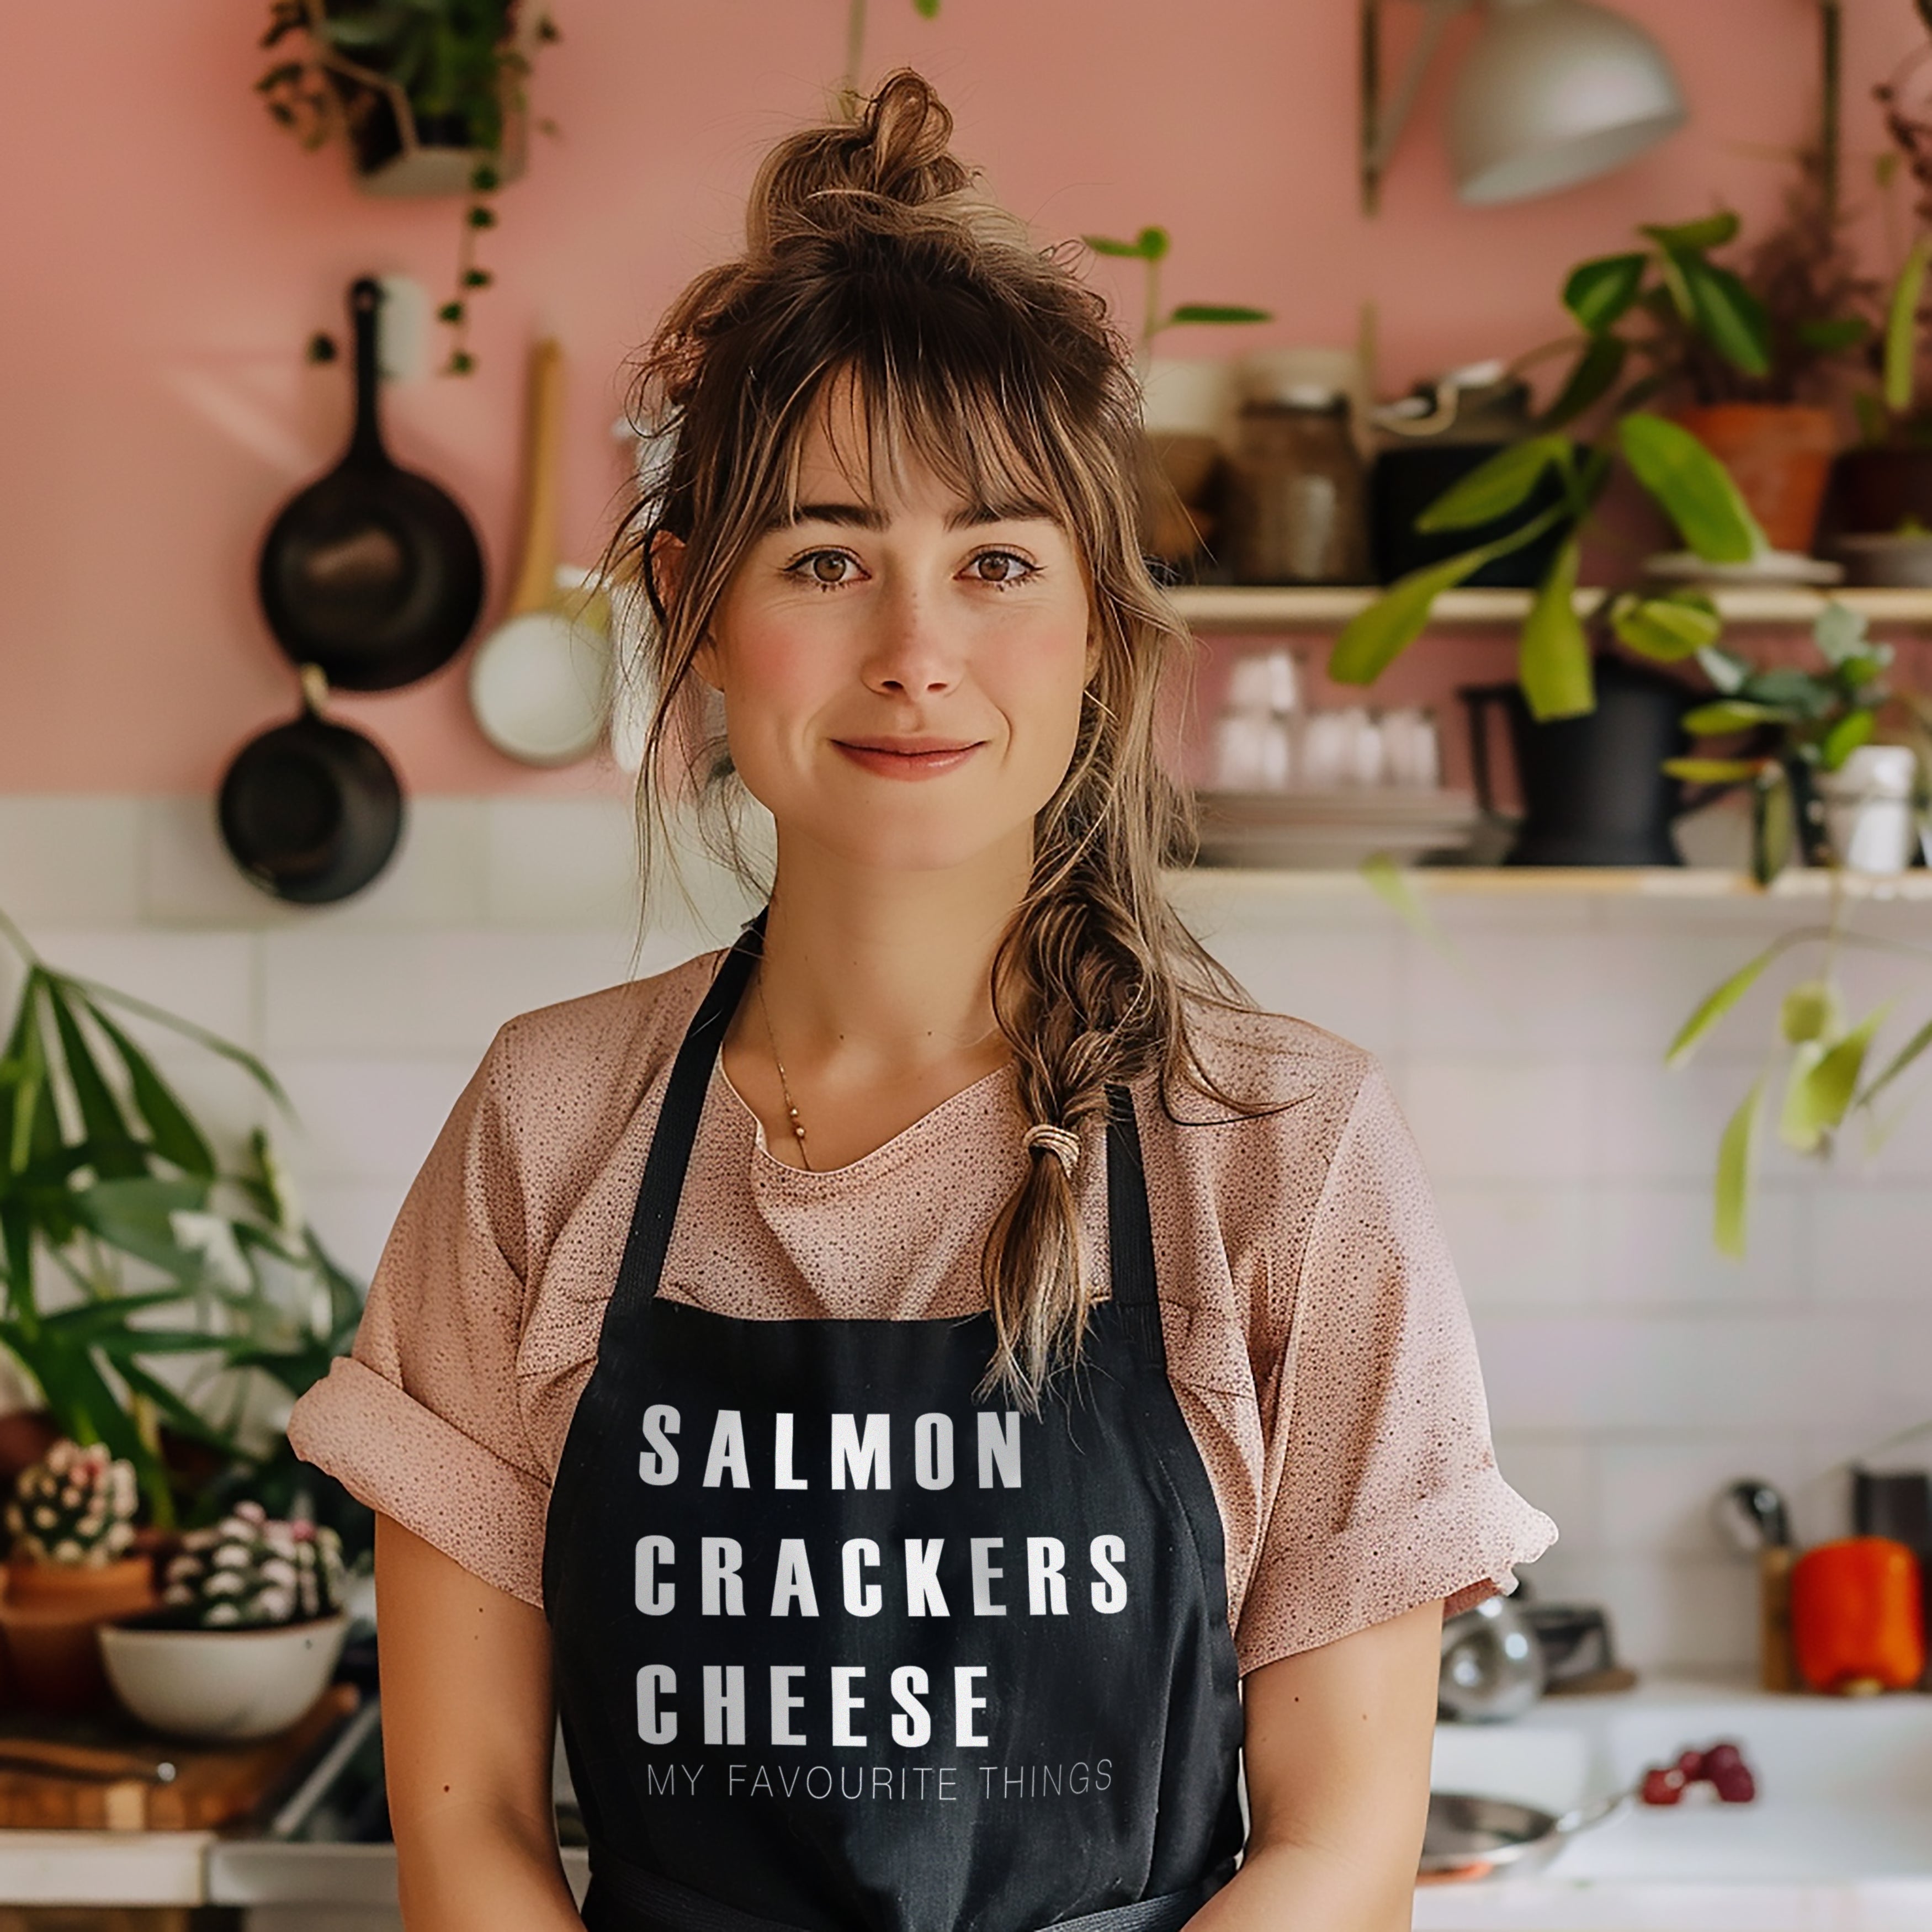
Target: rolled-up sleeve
1386,1491
421,1422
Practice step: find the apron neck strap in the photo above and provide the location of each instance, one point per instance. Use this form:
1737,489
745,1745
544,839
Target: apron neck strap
1129,1228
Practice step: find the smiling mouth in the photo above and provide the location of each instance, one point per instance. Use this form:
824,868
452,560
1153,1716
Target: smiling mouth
908,757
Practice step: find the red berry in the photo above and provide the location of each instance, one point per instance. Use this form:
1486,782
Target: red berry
1721,1758
1663,1784
1735,1785
1691,1764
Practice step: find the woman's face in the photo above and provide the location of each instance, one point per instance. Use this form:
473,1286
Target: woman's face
902,669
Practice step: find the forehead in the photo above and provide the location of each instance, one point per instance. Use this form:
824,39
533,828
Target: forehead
875,443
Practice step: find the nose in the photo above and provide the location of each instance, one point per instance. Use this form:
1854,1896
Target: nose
911,653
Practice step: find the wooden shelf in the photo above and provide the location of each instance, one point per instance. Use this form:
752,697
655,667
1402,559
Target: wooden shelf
1662,882
1233,608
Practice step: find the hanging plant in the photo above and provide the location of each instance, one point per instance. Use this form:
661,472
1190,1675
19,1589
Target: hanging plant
428,97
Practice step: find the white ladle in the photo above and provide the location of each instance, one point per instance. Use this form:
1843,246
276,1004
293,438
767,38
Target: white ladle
540,683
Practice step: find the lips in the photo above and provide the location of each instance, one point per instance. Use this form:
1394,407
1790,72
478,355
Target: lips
908,757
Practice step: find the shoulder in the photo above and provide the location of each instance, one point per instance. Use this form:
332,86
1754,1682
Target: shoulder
563,1079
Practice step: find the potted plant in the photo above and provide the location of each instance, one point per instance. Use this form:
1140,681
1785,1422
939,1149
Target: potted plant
104,1171
70,1525
428,96
1187,403
1611,299
1802,740
249,1629
1822,1062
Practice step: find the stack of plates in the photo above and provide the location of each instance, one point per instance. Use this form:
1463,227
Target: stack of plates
1331,830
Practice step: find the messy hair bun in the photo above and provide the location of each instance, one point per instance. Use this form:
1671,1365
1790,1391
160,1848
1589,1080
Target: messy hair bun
870,259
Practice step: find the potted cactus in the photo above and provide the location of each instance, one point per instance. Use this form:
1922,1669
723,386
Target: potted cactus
70,1524
248,1630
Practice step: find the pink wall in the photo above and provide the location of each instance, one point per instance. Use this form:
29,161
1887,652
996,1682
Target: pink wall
169,252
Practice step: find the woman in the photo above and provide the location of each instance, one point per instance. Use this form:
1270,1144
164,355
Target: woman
930,1387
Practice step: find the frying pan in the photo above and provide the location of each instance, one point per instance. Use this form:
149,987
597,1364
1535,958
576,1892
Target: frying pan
311,811
372,572
1472,1837
540,682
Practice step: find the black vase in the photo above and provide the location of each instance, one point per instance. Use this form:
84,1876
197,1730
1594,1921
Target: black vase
1593,789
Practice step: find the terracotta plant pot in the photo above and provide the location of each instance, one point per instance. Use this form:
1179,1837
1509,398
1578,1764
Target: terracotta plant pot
1779,455
49,1618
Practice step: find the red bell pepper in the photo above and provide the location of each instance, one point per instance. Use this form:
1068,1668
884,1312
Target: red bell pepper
1856,1622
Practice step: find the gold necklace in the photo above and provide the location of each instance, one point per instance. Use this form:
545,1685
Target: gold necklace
785,1084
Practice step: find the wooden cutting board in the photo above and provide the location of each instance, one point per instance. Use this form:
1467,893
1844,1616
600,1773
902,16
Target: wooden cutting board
212,1785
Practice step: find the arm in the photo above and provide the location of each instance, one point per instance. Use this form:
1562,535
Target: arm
1337,1753
467,1728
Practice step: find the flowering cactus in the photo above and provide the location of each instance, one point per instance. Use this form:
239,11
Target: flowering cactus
251,1569
74,1507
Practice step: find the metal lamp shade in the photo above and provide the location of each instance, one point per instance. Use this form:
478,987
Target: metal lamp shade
1554,92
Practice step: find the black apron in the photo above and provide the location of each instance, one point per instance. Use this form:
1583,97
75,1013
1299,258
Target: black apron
841,1644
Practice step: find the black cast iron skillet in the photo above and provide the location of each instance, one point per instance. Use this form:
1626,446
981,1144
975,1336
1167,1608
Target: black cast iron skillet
373,572
311,812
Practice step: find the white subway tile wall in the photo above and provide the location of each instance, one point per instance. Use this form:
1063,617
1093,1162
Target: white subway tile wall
1632,1372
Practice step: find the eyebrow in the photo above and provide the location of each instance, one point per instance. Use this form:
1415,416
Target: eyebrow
869,517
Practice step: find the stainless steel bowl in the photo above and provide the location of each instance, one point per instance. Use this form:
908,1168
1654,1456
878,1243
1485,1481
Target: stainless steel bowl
1466,1832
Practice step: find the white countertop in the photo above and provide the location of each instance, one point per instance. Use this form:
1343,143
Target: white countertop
1839,1841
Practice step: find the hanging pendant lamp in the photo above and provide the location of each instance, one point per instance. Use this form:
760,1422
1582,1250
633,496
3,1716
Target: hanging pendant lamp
1553,92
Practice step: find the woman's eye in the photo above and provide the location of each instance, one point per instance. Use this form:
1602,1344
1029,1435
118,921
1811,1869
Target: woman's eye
827,569
1000,566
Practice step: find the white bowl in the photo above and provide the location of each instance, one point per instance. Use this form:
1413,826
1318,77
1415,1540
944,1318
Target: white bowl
222,1684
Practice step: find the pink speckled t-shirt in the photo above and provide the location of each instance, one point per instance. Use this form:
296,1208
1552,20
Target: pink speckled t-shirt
1317,1340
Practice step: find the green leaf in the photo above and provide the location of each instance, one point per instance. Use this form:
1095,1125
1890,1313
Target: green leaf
1599,293
1714,771
1774,825
1107,244
926,10
1813,1010
1839,633
174,1133
1374,638
1495,487
1592,377
1668,627
1725,669
1901,327
1708,231
1733,319
1215,312
1151,245
1899,1063
238,1056
1852,730
1716,1004
116,1154
1552,654
1823,1080
1737,1150
1692,486
1829,335
1732,714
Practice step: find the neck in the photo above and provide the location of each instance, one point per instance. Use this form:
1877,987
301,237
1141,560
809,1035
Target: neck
870,969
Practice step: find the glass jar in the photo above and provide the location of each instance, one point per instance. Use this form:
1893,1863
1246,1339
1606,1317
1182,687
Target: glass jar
1298,513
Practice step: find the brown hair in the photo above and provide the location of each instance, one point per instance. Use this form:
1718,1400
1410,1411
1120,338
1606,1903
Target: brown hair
868,259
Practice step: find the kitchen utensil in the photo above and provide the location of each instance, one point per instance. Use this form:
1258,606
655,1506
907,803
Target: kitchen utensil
1476,1837
1578,1659
1898,1503
227,1685
540,683
372,572
1492,1667
212,1784
311,811
1593,789
1752,1514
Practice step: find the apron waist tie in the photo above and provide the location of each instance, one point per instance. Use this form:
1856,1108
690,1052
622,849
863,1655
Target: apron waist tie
646,1902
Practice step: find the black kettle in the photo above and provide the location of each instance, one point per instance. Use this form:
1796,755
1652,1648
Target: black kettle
1594,791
